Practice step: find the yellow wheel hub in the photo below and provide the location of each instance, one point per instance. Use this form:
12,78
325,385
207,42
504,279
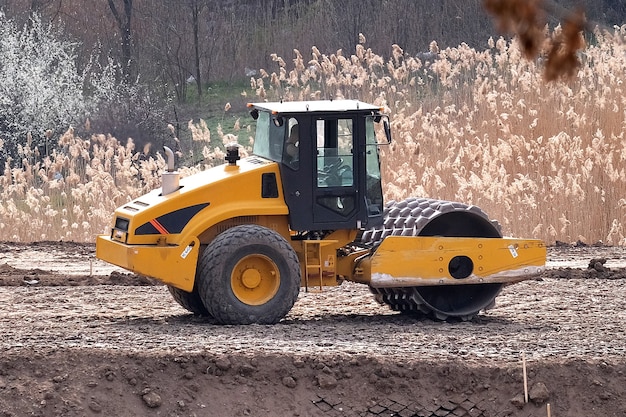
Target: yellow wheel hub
255,279
251,278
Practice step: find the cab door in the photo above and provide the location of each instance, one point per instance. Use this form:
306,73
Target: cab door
332,179
335,188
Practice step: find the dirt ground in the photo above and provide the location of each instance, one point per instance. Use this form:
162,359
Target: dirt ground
81,338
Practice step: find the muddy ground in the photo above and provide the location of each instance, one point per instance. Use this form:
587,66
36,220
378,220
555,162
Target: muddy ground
80,338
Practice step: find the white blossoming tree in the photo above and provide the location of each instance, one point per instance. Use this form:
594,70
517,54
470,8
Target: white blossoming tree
41,87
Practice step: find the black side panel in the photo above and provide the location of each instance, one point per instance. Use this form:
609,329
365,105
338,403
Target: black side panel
269,186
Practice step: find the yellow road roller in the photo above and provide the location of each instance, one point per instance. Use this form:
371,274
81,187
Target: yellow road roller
305,209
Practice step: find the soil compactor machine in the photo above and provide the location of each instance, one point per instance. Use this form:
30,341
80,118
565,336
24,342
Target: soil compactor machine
238,241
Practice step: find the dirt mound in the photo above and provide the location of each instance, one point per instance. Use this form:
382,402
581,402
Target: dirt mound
113,384
10,276
595,270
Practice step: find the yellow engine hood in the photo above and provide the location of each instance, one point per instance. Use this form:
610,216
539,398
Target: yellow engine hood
201,201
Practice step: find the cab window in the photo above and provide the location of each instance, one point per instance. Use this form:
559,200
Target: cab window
269,137
335,159
291,149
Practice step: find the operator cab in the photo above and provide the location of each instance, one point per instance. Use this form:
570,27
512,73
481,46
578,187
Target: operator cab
328,156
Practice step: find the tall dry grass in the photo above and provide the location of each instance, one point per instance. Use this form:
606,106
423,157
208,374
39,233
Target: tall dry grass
482,127
72,193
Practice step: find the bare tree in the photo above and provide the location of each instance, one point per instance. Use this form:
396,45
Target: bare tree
40,5
170,41
196,10
124,25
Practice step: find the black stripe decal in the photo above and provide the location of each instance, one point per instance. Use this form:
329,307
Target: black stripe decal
174,222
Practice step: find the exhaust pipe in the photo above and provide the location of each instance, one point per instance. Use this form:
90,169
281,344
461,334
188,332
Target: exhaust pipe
170,178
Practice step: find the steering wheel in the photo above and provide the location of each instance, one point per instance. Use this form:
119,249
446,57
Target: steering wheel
334,166
332,173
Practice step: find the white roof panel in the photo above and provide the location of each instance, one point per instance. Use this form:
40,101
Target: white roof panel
315,106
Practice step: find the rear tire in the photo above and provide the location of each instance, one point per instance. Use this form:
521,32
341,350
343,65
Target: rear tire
190,301
249,274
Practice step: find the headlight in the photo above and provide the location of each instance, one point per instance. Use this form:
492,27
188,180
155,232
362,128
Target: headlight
121,224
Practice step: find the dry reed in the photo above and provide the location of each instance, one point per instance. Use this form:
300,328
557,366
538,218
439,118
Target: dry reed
481,127
71,194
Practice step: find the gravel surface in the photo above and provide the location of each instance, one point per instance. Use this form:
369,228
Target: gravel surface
62,313
552,318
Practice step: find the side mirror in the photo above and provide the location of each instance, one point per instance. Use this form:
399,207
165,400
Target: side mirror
387,129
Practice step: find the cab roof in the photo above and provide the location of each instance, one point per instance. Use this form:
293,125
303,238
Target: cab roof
315,106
